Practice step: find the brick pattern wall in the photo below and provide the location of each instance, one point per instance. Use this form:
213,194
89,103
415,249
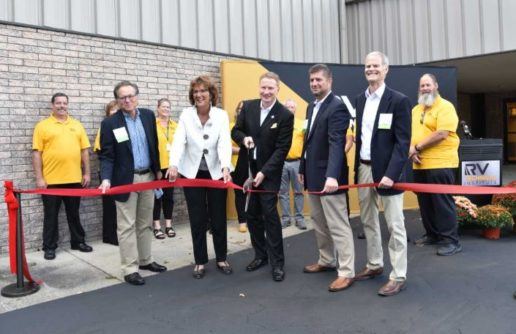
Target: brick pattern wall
35,63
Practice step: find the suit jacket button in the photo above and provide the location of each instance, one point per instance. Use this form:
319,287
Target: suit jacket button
205,151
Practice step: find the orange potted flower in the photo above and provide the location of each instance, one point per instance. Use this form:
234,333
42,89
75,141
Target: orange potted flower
493,218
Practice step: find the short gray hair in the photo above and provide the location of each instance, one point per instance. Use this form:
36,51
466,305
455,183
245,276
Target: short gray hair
385,59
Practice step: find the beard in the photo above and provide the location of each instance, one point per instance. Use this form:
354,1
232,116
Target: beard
427,99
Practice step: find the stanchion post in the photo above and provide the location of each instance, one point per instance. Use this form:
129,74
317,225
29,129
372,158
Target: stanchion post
20,288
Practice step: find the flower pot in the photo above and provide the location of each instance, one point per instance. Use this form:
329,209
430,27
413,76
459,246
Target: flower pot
491,233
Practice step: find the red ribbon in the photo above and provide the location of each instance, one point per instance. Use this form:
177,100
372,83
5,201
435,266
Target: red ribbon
12,209
13,205
188,183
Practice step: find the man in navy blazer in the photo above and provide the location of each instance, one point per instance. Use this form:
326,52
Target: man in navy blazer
382,145
264,129
129,154
323,168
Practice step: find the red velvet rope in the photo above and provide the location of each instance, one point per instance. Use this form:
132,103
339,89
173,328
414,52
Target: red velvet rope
13,205
12,209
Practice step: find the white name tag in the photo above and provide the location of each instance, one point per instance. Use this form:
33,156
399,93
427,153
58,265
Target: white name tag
305,124
121,135
385,121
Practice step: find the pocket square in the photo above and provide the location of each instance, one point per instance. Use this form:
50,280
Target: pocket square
274,126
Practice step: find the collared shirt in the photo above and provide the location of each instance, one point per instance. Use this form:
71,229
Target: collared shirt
317,106
60,144
264,112
425,121
138,141
368,119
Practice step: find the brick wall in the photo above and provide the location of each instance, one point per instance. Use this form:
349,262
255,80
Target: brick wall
36,63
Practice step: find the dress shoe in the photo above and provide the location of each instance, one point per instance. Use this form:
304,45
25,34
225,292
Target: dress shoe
367,273
198,273
255,264
317,268
391,288
154,267
50,254
134,279
82,247
449,249
226,269
278,274
426,240
340,284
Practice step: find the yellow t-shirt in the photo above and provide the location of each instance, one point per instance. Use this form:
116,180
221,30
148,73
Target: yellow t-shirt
441,116
96,145
60,144
165,139
297,140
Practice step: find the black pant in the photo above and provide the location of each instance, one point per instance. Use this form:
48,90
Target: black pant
240,206
438,210
51,205
265,228
167,201
207,204
109,235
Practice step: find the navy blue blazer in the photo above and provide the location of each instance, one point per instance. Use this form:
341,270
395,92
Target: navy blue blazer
116,159
389,147
324,145
273,139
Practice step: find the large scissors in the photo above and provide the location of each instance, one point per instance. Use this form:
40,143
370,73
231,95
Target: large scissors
248,184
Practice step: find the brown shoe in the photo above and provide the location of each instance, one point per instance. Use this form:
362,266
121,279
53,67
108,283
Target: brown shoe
391,288
316,268
367,273
340,283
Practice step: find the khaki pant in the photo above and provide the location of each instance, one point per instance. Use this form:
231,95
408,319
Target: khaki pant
393,211
134,219
333,233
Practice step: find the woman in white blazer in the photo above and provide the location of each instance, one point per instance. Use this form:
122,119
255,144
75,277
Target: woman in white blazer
202,150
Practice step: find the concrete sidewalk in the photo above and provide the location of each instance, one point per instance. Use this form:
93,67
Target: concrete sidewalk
73,272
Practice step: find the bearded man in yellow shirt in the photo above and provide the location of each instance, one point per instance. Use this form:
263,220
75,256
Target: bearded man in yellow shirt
59,150
434,152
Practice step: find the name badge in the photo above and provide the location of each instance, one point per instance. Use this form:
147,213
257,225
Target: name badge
169,147
385,121
305,124
121,135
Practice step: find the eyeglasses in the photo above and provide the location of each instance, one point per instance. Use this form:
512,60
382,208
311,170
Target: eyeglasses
123,98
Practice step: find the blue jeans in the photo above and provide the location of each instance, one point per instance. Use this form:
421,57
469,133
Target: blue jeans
288,179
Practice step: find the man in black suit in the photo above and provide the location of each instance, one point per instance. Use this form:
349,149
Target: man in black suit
129,154
323,168
383,140
263,131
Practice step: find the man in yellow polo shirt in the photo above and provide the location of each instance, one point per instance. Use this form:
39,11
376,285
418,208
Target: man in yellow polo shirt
59,150
434,152
289,175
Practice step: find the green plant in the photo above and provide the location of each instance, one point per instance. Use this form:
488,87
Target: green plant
466,211
508,201
494,216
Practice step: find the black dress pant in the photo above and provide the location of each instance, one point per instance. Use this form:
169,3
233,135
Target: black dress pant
51,205
438,210
166,201
109,220
240,206
207,204
265,228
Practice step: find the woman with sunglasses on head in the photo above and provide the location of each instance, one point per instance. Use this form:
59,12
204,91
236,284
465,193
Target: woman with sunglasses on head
166,128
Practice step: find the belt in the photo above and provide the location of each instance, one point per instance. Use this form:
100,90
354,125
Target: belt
365,162
142,171
292,160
